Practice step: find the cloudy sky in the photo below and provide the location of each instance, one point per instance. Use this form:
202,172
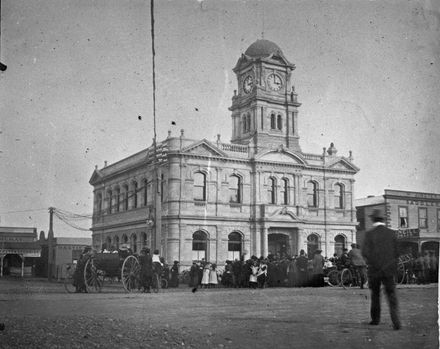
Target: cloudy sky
80,73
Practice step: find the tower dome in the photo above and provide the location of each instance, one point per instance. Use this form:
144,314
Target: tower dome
262,48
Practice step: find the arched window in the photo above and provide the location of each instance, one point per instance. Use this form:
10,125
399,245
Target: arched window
108,243
116,242
144,241
248,123
272,121
124,239
272,190
234,246
145,183
279,122
126,192
133,242
199,186
98,203
339,196
339,244
199,245
312,194
135,195
109,201
312,245
117,199
235,189
244,124
285,191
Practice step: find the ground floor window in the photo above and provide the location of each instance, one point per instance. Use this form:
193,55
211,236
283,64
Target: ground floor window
234,246
312,244
199,245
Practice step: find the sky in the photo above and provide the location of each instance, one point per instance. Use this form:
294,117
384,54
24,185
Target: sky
80,74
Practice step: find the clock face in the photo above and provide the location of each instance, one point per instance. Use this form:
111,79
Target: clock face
274,82
248,84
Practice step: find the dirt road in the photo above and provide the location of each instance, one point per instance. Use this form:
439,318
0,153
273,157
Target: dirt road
41,315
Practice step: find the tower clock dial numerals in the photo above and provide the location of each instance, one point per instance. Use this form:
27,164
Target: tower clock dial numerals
274,82
248,84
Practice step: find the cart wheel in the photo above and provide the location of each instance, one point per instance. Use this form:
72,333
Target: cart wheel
333,278
156,283
163,283
70,278
130,274
401,273
93,278
346,278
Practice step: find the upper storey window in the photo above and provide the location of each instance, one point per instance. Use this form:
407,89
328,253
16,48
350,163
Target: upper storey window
279,122
312,194
272,121
339,196
109,201
285,191
126,196
118,199
403,217
135,190
199,186
272,190
235,189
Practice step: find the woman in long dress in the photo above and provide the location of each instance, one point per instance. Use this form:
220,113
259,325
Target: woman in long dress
213,281
253,280
205,277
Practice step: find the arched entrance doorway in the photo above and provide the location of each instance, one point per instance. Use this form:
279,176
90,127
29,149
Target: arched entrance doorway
278,245
340,244
312,244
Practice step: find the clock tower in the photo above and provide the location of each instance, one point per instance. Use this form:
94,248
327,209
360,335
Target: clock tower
265,108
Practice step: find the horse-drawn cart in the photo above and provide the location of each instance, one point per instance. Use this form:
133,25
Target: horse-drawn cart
104,266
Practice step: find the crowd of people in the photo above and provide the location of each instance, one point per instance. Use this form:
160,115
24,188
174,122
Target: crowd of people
271,271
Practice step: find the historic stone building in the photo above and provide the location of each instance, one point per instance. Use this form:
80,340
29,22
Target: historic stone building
414,215
259,194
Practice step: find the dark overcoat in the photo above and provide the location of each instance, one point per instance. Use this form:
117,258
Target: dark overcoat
380,251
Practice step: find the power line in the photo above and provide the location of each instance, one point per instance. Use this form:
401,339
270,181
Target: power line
21,211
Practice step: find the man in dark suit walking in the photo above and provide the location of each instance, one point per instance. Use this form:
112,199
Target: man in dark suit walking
380,251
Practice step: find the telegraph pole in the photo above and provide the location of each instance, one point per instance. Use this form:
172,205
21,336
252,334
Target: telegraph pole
50,245
156,227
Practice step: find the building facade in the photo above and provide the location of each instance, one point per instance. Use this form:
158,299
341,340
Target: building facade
414,215
19,251
257,195
65,250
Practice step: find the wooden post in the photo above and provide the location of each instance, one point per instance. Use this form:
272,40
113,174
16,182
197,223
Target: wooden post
50,245
22,265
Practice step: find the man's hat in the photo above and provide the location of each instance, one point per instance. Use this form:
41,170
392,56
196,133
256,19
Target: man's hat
376,213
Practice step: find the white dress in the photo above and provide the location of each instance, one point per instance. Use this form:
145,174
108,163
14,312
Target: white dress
213,277
205,277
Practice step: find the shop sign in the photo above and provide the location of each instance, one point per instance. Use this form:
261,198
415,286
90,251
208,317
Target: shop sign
408,233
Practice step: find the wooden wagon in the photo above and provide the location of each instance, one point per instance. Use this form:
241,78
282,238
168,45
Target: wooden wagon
101,266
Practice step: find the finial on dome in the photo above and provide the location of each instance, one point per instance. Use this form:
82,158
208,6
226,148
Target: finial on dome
332,150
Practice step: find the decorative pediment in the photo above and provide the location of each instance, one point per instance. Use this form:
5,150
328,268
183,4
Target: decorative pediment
281,155
204,148
96,177
284,213
342,164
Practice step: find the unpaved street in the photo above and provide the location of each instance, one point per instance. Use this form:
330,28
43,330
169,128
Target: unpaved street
40,315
